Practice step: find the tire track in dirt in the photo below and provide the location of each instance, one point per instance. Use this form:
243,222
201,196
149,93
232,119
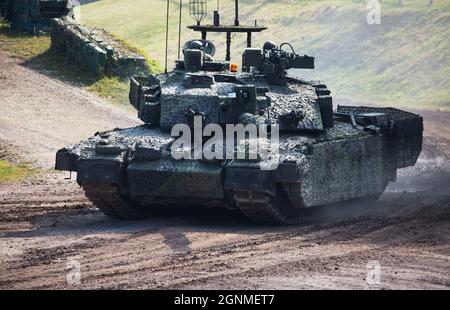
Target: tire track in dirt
313,249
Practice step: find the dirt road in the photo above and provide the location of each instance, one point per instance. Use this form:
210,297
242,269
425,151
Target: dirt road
48,229
40,114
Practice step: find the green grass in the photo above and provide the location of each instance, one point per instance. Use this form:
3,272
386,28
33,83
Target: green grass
20,44
405,61
154,65
11,172
112,89
36,53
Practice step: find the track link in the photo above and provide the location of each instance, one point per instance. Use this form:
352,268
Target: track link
107,198
262,208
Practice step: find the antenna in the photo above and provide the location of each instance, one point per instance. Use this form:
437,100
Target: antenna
236,9
179,28
216,15
198,10
167,35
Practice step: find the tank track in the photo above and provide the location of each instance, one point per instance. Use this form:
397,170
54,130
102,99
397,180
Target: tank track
259,207
107,198
262,208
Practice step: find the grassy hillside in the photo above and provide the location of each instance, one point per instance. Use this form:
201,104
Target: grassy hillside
402,62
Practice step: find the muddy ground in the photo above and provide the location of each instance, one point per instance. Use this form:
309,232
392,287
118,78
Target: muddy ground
48,228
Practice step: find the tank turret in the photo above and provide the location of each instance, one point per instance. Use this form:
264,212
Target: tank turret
200,85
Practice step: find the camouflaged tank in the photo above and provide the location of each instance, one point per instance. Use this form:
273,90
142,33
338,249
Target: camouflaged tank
325,155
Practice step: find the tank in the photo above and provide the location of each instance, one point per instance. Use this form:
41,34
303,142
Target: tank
255,139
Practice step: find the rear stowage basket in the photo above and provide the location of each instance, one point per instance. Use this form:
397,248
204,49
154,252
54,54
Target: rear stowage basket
405,132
